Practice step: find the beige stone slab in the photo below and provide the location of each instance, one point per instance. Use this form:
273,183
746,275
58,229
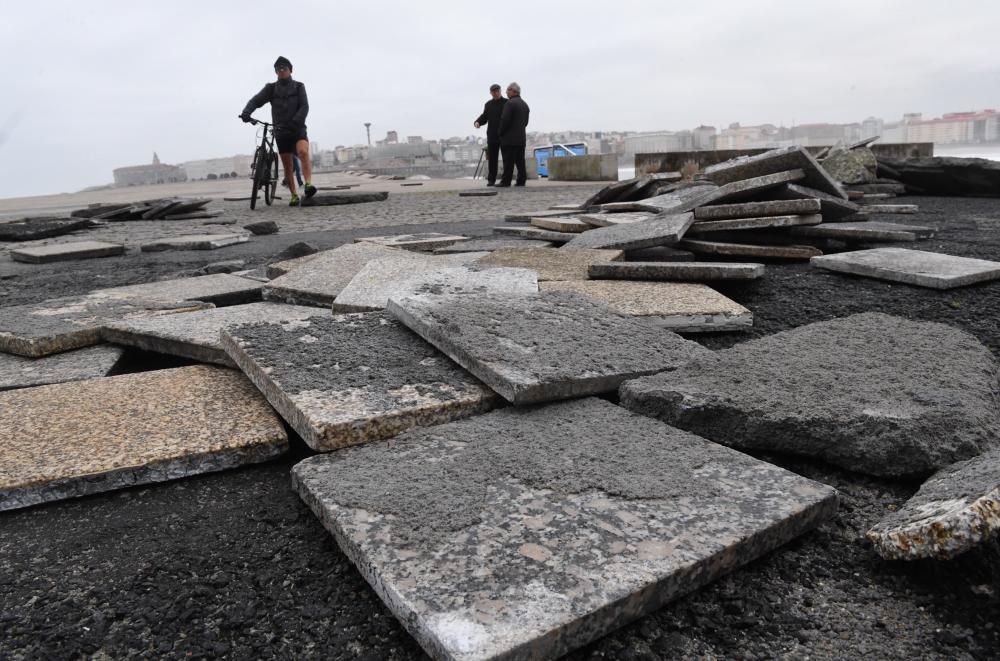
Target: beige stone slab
551,263
73,439
561,224
682,307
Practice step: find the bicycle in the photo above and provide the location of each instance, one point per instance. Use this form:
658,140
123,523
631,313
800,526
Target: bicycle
264,167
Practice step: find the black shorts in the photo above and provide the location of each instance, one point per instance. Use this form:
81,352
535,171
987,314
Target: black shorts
287,138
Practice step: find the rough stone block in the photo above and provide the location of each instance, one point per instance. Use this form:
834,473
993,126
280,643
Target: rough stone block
489,245
379,279
795,207
662,230
749,250
683,308
539,348
528,533
870,392
912,267
262,228
866,231
72,439
350,379
561,224
194,242
776,160
60,252
709,226
550,264
89,363
676,271
346,197
422,241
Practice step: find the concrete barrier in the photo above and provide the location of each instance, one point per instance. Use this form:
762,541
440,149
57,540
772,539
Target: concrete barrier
592,167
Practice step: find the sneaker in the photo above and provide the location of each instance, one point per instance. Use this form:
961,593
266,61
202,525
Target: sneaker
310,190
294,202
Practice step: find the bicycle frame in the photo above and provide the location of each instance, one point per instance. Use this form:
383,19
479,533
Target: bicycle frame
264,155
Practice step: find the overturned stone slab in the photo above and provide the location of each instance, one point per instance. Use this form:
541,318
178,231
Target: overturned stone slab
489,245
535,233
346,197
833,207
774,161
912,267
955,510
60,252
220,289
532,349
609,219
866,231
765,222
420,241
550,264
350,379
318,279
870,392
748,250
683,308
129,430
561,224
570,552
676,271
42,227
89,363
196,335
194,242
796,207
662,230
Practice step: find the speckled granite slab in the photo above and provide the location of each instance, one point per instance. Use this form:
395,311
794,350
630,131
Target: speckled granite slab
776,160
196,335
676,271
420,241
318,280
72,439
559,224
59,252
870,392
758,209
956,509
535,233
489,245
555,345
748,250
89,363
912,267
350,379
662,230
526,533
681,307
219,289
551,264
867,231
194,242
609,219
709,226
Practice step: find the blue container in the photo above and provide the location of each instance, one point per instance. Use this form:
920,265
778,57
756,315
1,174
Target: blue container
543,154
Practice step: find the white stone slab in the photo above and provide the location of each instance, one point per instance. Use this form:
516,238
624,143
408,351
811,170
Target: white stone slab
912,267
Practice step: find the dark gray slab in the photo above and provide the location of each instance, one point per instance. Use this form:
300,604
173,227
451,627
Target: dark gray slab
489,245
803,206
717,248
660,254
42,227
89,363
263,227
526,533
765,222
536,234
356,378
194,242
955,510
696,271
913,267
908,209
347,197
61,252
662,230
833,207
539,348
776,160
478,193
866,231
870,392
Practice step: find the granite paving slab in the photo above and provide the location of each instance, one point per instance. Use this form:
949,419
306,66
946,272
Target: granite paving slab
550,263
892,208
662,230
41,227
196,335
526,533
60,252
72,439
420,241
489,245
764,222
795,207
532,349
955,510
834,207
718,248
561,224
346,197
194,242
681,307
776,160
550,213
748,188
567,207
676,271
872,393
347,379
535,233
609,219
678,201
318,280
867,230
220,289
89,363
912,267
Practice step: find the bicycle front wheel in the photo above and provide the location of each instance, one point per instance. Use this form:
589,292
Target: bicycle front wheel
259,175
271,185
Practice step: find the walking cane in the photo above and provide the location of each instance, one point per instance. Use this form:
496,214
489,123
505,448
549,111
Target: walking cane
479,164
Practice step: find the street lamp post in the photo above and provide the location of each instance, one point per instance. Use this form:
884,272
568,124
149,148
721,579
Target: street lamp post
368,131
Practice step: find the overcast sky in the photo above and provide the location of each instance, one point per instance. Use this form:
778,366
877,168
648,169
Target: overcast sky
91,86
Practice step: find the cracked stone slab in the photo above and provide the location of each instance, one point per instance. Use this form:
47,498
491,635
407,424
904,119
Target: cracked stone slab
955,510
194,242
676,271
535,233
555,345
89,363
551,264
369,290
420,241
764,222
912,267
320,278
681,307
196,335
833,207
73,439
59,252
872,393
489,245
561,224
609,219
41,227
527,533
803,206
771,162
220,289
700,247
355,378
869,230
662,230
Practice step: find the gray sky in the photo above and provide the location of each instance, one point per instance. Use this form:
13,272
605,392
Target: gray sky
94,86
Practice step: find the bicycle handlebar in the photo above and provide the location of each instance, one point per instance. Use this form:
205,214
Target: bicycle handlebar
254,121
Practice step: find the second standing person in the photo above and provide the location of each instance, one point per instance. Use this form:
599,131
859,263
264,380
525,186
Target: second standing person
513,136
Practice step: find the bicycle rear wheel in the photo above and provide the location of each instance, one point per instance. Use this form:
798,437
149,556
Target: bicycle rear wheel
271,184
259,174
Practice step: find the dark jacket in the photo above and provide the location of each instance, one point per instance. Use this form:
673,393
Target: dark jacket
491,117
289,104
513,121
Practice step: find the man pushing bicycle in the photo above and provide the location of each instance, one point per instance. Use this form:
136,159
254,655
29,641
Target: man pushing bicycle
289,107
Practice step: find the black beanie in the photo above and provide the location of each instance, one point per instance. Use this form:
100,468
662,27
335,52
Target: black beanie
282,61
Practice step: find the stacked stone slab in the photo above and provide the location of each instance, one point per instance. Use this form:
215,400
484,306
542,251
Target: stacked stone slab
172,208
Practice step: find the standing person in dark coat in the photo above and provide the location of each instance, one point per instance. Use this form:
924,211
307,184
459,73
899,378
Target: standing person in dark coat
513,138
491,118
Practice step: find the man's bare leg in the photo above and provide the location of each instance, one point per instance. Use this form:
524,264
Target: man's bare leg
286,162
302,147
